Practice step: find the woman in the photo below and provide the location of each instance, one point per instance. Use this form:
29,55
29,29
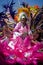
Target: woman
23,27
22,32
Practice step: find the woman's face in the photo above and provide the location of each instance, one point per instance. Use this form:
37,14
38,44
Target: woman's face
23,20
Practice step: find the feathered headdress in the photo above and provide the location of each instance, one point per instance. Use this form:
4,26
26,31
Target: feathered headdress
23,12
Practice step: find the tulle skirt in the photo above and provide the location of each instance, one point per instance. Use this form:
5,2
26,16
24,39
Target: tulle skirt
21,51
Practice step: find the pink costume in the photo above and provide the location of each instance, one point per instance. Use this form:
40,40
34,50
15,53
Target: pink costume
15,47
19,49
23,33
19,30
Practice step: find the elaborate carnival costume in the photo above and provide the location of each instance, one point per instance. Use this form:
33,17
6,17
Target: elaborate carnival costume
21,31
19,48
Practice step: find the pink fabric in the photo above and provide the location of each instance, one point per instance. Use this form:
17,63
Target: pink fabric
20,28
20,50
